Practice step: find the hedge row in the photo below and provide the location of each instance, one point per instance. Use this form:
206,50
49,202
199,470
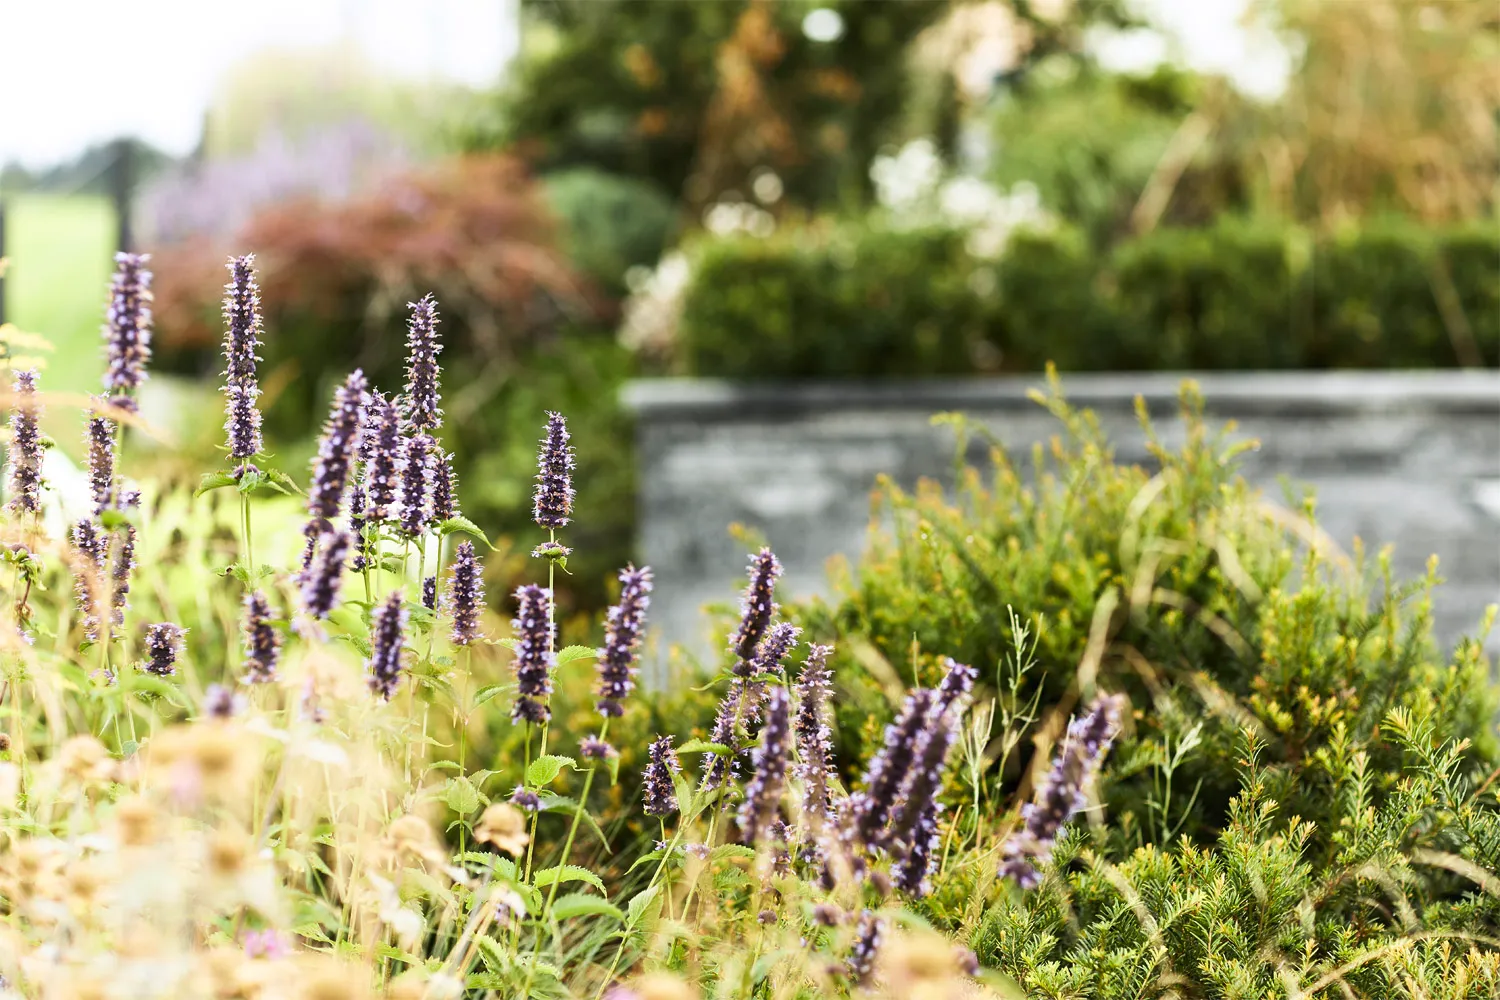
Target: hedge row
862,301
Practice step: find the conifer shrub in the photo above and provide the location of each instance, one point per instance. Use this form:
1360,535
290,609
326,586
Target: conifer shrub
1216,610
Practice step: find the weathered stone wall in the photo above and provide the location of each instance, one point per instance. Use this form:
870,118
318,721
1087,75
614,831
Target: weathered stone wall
1407,458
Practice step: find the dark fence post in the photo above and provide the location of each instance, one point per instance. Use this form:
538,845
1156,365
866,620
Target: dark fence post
121,183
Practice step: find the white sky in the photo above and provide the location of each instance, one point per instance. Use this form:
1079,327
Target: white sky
76,72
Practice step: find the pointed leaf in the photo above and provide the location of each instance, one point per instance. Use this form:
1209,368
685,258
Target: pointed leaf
568,873
581,904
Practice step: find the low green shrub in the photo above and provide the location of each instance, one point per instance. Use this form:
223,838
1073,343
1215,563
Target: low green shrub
1176,584
610,223
867,301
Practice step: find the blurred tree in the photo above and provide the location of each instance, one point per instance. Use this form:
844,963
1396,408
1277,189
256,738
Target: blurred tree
698,98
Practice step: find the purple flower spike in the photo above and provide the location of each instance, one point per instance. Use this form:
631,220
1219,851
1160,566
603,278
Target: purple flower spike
625,623
534,656
100,438
262,641
763,796
867,938
656,781
814,738
416,484
1062,791
725,732
758,605
91,546
525,799
869,809
163,647
242,328
552,503
444,502
383,432
465,594
25,447
124,565
336,449
387,640
321,582
422,347
957,682
593,748
127,330
914,824
779,641
429,593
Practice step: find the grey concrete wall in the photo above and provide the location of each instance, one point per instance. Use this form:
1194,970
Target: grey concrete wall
1406,458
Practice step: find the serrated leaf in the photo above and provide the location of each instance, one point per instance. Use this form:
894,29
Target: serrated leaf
468,527
544,770
703,746
571,653
581,904
731,851
638,905
568,873
282,483
460,796
487,692
214,481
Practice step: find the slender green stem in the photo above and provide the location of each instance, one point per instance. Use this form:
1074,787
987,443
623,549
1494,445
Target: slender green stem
661,865
249,551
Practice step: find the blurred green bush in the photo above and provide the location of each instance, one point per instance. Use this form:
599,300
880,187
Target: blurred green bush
862,300
610,223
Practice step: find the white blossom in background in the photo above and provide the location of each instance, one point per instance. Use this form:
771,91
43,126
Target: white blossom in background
655,303
912,186
727,218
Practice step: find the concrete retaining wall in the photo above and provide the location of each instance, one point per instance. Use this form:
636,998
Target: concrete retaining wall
1407,458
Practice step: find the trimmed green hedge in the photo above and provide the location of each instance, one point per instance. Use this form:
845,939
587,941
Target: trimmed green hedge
877,302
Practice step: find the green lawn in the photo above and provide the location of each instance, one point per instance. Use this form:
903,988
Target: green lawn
60,249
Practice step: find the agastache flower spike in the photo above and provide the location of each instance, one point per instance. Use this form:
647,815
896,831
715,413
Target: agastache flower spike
127,331
163,647
534,657
444,501
429,593
723,733
779,641
955,686
320,584
914,823
552,503
383,435
625,623
814,745
416,484
465,594
422,347
242,327
1061,793
262,641
763,796
387,640
867,938
656,781
88,581
119,598
593,748
869,809
336,449
25,447
756,607
100,437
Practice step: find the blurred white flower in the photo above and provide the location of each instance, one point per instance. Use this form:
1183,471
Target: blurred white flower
905,180
655,303
728,217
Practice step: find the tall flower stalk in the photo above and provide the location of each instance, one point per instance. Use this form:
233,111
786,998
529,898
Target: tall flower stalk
387,640
25,446
1063,792
421,402
127,329
242,419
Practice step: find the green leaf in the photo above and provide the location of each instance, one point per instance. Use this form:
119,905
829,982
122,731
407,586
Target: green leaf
571,653
281,482
544,770
468,527
568,873
731,851
703,746
581,904
487,692
636,908
460,796
214,481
